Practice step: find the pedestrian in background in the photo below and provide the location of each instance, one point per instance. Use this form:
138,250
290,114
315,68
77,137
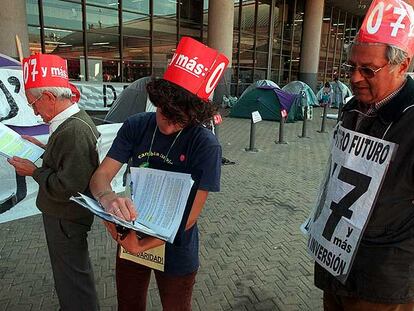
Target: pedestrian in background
325,95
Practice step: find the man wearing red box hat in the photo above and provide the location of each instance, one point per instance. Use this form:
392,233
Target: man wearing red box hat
382,273
69,160
173,135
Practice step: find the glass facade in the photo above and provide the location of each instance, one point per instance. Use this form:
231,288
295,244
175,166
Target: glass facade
123,40
338,30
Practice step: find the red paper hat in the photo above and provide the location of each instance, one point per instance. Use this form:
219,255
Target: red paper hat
196,67
390,22
45,70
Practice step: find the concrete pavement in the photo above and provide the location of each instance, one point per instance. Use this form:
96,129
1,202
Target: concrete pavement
253,255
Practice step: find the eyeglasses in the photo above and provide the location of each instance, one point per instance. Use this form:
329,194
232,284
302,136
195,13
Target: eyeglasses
34,102
366,72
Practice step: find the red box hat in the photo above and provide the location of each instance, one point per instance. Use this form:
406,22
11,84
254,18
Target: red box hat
390,22
45,70
196,67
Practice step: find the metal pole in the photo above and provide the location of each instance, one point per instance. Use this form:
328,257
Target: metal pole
252,137
281,131
325,108
305,118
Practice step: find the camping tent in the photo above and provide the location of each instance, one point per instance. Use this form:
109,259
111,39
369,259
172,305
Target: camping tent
299,87
341,92
267,98
132,100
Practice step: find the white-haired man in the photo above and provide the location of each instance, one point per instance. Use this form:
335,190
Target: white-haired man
69,161
382,273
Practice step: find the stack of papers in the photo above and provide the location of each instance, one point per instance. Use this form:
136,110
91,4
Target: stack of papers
12,144
160,198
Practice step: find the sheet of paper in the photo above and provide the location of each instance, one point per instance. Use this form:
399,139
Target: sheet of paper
160,198
97,209
11,144
256,117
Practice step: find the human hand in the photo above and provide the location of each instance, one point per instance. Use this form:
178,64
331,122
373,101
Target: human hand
131,242
119,206
134,245
34,141
23,167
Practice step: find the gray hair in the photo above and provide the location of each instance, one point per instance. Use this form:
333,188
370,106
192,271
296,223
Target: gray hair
394,54
59,92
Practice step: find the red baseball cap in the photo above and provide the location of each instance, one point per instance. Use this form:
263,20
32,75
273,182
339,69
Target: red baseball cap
45,70
196,67
389,22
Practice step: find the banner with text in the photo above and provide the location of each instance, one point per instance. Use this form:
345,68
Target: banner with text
14,109
98,96
355,172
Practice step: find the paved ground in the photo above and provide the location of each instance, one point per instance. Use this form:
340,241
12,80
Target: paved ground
253,255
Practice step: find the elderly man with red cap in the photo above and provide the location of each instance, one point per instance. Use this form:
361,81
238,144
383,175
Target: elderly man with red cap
381,275
69,161
172,136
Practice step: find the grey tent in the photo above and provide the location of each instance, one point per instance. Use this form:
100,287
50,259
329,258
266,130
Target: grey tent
299,87
132,100
341,91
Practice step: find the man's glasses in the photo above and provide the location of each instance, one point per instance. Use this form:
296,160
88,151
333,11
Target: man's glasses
366,72
34,102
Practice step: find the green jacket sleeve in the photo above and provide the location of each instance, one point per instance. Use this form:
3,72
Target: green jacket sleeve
68,166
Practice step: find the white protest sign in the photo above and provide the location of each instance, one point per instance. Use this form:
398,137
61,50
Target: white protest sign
98,96
358,164
256,117
14,109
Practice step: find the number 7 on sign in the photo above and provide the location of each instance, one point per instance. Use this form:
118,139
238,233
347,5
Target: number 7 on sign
342,208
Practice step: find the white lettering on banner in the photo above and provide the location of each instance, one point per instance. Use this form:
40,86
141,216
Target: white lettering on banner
410,11
358,164
372,29
58,72
25,71
173,59
214,78
33,62
44,71
189,65
400,13
398,24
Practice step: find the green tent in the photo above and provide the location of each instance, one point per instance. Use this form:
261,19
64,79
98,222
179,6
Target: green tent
267,98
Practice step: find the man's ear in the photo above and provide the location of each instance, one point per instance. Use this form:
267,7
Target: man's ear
50,96
404,66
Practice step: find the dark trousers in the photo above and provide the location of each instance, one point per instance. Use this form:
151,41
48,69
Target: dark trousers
132,282
333,302
71,266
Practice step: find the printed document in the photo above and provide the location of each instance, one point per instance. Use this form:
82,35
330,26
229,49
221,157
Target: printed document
160,198
12,144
